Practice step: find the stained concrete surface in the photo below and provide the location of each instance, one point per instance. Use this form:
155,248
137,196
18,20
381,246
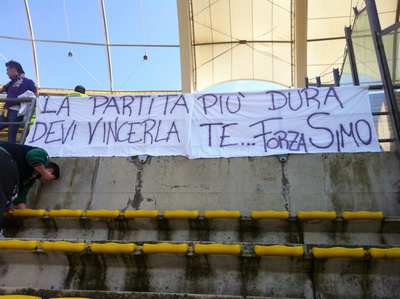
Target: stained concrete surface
337,182
368,181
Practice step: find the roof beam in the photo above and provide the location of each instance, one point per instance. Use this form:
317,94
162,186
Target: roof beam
35,63
300,41
70,42
185,45
107,39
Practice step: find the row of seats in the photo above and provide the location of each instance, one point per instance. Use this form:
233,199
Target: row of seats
194,214
198,248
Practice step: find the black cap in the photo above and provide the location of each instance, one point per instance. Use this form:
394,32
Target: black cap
80,89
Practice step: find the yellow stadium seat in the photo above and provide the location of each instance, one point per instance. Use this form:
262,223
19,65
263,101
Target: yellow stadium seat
28,213
225,249
384,253
181,214
268,214
165,248
338,252
63,246
363,215
102,213
18,297
141,214
65,213
18,245
221,214
112,248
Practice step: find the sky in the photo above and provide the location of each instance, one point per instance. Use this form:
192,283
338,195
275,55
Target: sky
62,65
129,22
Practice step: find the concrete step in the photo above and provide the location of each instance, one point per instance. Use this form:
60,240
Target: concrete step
244,229
303,182
47,294
338,274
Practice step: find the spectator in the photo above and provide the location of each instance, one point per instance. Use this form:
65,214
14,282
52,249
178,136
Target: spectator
21,165
79,91
18,85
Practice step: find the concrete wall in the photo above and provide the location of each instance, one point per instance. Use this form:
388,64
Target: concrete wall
338,182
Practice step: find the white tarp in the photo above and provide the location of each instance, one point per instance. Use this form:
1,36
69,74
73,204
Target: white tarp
332,119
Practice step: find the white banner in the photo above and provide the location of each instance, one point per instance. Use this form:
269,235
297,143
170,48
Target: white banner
312,120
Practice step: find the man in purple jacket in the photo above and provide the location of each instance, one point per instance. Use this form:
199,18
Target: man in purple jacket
17,86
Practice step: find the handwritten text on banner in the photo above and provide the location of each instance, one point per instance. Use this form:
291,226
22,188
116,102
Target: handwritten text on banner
313,120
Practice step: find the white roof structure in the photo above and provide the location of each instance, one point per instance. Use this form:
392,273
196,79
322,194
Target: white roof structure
256,39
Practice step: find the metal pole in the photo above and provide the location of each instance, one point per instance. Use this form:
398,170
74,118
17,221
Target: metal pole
185,45
306,82
29,19
108,48
351,56
355,10
395,39
27,120
318,81
300,41
375,27
336,76
394,57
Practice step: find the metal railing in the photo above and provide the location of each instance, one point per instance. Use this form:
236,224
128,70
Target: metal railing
27,116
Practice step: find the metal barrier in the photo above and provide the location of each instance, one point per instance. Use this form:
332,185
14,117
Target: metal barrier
27,115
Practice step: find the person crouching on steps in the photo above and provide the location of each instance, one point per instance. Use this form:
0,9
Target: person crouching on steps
20,167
